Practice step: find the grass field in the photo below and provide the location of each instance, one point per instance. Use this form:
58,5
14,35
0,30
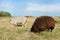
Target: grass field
11,32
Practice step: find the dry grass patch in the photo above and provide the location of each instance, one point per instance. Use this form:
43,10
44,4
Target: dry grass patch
11,32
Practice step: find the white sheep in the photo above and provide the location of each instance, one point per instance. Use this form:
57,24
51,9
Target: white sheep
20,21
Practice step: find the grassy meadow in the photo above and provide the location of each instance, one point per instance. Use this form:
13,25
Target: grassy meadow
11,32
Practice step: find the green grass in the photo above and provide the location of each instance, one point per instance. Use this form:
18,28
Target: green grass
11,32
58,22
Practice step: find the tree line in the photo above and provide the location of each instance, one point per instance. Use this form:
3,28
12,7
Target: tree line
4,14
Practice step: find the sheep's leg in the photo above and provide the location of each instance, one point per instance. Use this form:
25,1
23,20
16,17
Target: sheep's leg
52,29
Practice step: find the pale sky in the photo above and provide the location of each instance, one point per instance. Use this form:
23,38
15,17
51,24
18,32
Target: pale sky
31,7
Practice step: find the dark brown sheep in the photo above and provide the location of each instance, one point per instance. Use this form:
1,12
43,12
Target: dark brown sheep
42,23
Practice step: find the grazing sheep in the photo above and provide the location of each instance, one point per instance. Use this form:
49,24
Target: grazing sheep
19,21
42,23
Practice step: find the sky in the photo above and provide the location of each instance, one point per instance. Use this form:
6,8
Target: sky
31,7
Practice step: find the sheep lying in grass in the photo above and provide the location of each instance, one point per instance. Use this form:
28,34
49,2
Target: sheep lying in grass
19,21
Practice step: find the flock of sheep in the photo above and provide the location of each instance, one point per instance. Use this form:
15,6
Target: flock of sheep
40,24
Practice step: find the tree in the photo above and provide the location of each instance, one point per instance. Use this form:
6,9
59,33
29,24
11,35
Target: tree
4,14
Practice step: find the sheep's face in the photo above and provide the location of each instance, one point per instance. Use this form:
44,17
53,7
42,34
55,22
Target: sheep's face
33,29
